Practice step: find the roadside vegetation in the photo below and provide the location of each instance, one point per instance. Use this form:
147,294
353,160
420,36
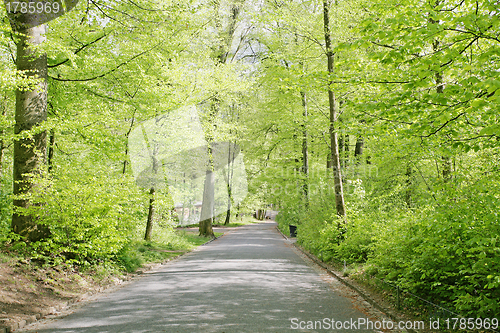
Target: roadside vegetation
36,285
416,92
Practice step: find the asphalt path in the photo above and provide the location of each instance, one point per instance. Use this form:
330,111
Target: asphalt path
249,280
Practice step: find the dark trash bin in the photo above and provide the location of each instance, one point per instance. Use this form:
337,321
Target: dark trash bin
293,230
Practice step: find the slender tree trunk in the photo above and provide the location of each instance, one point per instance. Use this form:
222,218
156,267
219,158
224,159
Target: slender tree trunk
222,52
346,150
153,149
2,148
50,154
341,150
305,153
409,182
358,150
125,161
230,173
337,174
2,143
207,206
228,211
447,168
151,211
358,153
445,160
29,152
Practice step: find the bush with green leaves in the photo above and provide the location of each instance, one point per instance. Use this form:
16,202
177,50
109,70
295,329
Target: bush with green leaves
89,218
291,213
448,253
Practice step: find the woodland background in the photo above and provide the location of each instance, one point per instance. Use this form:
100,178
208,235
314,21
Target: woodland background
413,87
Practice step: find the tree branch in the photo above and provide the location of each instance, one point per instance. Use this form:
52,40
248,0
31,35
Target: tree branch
108,72
442,126
78,51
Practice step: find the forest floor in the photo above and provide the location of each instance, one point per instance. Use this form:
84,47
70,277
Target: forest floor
30,291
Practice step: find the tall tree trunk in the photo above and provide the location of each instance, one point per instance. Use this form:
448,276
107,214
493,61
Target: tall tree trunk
447,168
2,148
151,211
346,150
50,154
31,111
337,174
222,52
153,151
445,160
228,211
341,150
207,207
305,153
329,162
125,161
230,173
409,182
358,150
2,143
358,153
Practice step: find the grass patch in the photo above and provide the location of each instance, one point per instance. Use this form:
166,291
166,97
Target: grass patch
235,222
164,246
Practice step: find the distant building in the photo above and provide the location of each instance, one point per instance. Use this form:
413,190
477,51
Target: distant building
188,213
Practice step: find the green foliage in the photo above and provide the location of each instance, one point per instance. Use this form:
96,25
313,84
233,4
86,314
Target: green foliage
291,212
417,81
130,258
422,86
448,254
5,213
88,218
135,254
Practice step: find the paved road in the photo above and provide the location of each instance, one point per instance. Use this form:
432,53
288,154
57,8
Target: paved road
250,280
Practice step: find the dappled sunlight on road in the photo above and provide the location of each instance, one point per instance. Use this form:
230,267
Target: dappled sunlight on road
247,281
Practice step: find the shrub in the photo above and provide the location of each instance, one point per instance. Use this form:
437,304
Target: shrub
89,218
448,253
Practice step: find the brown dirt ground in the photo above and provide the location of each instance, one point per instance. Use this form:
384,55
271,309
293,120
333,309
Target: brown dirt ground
29,291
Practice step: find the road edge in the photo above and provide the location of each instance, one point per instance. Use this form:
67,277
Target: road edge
61,309
331,271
